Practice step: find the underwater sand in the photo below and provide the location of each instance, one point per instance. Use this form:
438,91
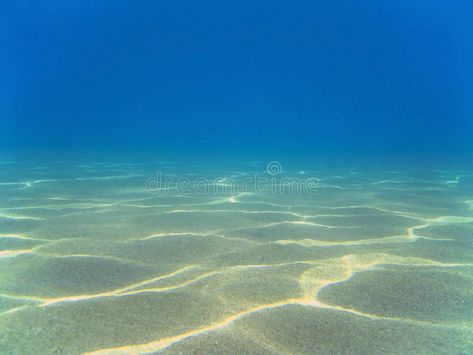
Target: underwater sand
377,260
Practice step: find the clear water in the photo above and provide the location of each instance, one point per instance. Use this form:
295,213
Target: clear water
97,257
236,177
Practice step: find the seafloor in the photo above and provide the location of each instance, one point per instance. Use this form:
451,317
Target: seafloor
376,259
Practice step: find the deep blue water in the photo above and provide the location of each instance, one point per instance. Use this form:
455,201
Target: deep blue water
236,177
233,77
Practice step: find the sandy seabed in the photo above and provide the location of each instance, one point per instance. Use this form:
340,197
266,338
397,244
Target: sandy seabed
376,260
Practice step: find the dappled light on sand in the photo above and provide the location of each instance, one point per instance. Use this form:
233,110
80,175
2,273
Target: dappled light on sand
92,262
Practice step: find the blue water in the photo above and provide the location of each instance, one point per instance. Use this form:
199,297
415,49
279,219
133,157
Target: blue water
236,177
237,76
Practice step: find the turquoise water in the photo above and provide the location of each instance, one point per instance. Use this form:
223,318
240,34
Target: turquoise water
96,259
236,177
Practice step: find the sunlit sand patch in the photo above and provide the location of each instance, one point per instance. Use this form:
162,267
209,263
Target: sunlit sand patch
37,251
167,342
320,243
450,231
312,231
450,251
17,217
452,219
173,234
236,211
17,236
12,253
303,242
13,310
124,291
45,276
308,330
233,204
379,221
374,208
330,272
430,295
321,225
168,271
347,265
363,211
12,245
63,206
189,234
150,285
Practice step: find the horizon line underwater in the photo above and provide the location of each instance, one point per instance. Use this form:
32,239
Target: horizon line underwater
236,177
